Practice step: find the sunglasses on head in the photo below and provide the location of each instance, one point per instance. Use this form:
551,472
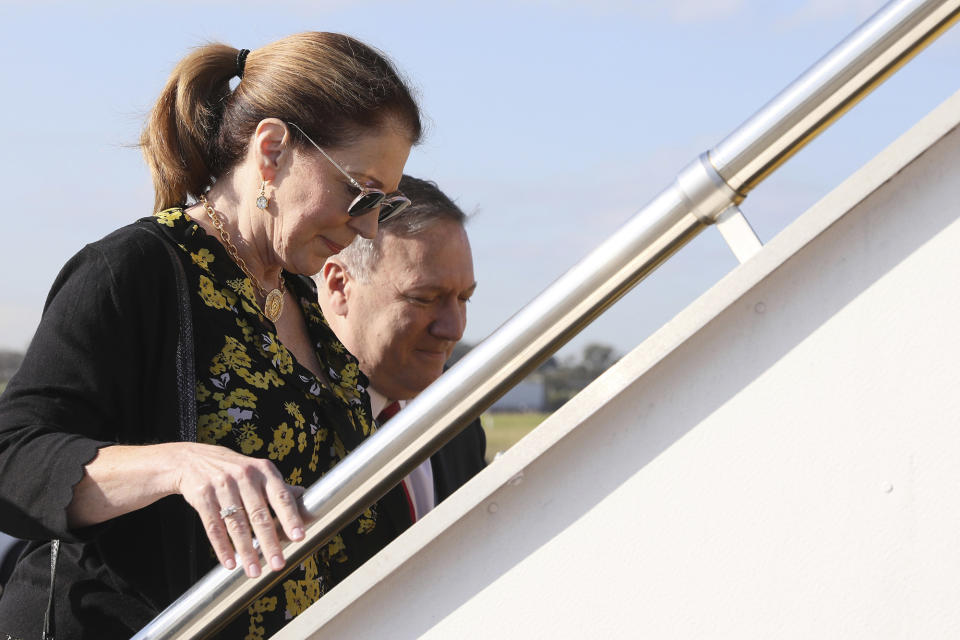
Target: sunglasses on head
369,199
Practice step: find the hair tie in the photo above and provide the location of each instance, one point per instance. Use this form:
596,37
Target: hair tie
241,61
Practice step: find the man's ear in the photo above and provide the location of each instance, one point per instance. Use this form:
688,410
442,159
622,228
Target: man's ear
271,141
334,284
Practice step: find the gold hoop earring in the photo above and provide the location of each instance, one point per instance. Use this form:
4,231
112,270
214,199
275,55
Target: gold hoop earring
262,201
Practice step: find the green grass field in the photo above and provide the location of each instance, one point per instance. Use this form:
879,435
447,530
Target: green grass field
504,429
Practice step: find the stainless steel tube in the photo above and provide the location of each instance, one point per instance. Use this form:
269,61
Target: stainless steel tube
700,193
889,39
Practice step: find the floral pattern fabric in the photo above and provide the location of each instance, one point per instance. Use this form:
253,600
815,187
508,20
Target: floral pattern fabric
255,398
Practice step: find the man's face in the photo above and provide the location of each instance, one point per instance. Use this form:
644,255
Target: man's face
406,320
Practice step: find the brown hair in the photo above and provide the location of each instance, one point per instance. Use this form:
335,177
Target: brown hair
428,207
331,85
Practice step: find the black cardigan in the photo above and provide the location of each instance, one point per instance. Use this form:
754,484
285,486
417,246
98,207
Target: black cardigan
100,370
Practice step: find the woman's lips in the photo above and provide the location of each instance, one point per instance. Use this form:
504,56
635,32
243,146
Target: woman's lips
333,246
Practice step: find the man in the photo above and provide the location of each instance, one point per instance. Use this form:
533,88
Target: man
398,303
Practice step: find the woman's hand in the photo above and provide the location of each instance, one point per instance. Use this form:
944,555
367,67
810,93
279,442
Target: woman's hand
210,478
215,479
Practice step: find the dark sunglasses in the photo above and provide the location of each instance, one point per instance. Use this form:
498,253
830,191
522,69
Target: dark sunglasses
369,199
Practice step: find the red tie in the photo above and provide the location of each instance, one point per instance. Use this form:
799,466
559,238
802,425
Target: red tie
388,412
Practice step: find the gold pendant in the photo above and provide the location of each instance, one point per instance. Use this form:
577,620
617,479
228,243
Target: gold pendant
273,306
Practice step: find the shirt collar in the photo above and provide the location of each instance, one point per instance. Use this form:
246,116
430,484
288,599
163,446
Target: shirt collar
378,401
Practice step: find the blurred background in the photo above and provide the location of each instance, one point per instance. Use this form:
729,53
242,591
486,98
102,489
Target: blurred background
550,121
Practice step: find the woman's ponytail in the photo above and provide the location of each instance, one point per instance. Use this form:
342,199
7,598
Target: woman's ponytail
177,140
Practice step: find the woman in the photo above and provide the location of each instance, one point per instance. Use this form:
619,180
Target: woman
284,170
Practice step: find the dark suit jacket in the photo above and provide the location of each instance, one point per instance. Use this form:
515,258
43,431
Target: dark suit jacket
454,464
459,460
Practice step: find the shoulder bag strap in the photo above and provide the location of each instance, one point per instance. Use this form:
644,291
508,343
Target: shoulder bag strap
48,614
186,374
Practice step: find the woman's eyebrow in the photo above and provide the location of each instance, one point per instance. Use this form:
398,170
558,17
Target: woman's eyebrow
369,180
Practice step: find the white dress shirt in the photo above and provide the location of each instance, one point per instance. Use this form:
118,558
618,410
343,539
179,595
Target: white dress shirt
419,483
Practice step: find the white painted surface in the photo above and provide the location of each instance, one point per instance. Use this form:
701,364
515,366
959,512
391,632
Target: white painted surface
781,460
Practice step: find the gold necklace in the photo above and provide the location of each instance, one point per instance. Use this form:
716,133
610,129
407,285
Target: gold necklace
273,301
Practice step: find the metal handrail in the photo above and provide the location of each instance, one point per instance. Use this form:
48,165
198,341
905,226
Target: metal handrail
713,182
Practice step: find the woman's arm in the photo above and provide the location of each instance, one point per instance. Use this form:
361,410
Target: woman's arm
91,379
122,479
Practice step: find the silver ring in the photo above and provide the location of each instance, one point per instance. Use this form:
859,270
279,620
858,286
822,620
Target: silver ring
229,510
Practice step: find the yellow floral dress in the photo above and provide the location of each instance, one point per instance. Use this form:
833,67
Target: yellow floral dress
253,397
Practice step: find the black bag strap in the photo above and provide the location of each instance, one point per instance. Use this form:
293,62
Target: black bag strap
48,614
186,375
187,408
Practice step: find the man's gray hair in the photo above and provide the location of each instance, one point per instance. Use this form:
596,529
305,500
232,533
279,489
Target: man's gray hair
428,206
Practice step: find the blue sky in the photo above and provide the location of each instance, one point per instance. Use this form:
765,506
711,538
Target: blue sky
552,121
